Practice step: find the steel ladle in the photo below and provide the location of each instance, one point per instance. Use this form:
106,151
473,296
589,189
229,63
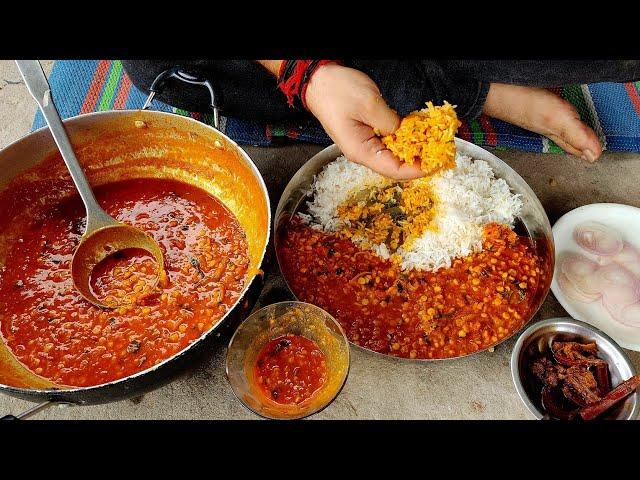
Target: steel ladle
104,235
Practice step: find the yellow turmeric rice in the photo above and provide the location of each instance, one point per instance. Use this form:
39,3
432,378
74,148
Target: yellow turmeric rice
394,215
426,136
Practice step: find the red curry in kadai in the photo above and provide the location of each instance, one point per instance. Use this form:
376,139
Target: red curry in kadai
58,335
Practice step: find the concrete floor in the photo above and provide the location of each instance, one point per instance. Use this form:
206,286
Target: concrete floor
477,387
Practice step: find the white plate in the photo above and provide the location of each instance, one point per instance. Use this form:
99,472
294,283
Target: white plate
626,220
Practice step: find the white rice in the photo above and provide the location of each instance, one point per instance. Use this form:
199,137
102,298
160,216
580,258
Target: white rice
338,181
469,197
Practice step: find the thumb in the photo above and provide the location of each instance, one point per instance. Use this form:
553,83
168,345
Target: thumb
381,118
365,148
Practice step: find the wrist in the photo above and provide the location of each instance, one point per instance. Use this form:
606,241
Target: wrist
294,77
318,83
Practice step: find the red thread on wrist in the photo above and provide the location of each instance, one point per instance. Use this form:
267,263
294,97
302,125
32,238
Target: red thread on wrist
293,79
283,65
303,91
291,86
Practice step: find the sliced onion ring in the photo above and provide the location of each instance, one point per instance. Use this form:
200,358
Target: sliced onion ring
570,290
580,271
604,260
630,315
618,284
620,288
598,239
614,309
629,258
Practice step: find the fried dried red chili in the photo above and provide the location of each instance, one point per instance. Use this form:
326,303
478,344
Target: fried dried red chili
576,383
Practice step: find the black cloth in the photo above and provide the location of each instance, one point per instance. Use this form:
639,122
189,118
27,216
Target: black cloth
245,88
545,73
249,91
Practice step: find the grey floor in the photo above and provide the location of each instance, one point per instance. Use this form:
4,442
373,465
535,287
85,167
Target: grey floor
476,387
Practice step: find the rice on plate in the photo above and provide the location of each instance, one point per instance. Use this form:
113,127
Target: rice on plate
465,199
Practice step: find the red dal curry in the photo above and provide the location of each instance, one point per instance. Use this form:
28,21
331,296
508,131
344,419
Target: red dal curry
60,336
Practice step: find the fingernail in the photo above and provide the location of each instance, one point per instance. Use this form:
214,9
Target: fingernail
588,155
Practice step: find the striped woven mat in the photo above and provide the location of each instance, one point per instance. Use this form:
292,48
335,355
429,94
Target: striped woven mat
612,109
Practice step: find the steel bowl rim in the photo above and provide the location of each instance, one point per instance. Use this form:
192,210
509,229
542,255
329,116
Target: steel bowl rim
53,393
333,147
555,321
344,381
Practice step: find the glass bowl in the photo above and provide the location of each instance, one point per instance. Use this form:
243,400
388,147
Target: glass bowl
273,321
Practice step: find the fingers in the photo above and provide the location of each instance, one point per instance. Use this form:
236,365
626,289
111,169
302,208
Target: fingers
581,138
362,146
388,165
378,114
576,138
367,148
565,146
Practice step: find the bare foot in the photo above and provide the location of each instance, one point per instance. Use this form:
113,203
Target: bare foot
540,111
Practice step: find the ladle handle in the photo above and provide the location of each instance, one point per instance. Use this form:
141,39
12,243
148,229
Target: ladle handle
38,86
33,410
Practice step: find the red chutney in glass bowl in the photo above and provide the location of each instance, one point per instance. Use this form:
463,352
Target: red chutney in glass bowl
290,369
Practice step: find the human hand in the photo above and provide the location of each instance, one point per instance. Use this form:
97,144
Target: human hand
349,106
541,111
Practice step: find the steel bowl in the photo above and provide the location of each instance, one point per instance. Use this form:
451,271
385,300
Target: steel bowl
532,222
538,337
